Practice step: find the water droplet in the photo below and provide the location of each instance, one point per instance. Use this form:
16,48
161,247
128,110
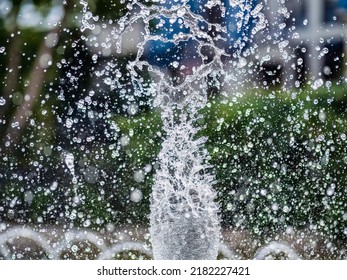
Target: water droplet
147,236
125,140
282,25
296,35
331,190
265,58
28,197
322,116
139,176
54,186
15,124
100,242
242,62
283,44
74,248
68,123
327,70
175,64
132,109
69,161
148,168
87,223
2,101
274,207
136,196
181,12
173,19
317,84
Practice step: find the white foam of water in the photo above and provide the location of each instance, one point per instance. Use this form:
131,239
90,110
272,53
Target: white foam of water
16,232
79,236
53,250
276,248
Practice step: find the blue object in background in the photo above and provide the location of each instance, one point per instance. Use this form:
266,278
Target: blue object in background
238,37
164,54
342,4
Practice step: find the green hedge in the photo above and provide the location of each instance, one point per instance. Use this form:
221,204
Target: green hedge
280,160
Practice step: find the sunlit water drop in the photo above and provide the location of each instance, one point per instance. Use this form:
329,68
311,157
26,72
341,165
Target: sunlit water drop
70,163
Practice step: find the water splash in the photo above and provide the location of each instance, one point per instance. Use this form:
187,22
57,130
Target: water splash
70,163
16,233
184,214
276,248
56,244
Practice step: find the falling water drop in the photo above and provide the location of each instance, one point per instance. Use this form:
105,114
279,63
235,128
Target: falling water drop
70,163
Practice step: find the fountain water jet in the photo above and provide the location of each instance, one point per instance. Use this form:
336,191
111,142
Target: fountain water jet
184,221
184,214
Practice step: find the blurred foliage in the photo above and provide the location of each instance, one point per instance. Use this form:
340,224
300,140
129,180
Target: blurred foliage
280,159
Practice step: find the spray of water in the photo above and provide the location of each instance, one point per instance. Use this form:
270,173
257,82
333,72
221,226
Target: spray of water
184,221
184,214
